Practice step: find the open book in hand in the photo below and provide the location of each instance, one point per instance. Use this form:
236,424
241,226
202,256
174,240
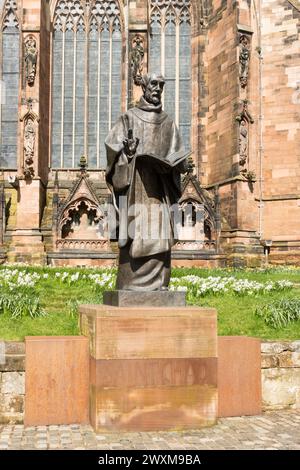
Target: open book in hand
164,164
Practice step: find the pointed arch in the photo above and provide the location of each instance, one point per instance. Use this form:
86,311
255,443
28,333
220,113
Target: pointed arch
87,79
10,76
170,52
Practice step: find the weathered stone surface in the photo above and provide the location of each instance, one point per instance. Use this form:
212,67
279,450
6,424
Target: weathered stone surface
274,348
239,376
13,383
280,388
10,403
149,332
61,364
271,430
13,362
295,346
269,361
123,298
151,368
14,347
11,418
289,359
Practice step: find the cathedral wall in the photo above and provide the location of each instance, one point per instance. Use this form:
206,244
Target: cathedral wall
266,207
222,92
281,120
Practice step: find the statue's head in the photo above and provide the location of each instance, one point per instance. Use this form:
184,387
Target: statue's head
153,86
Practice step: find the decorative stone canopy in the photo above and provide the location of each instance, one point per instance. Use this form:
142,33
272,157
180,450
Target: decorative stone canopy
201,200
80,218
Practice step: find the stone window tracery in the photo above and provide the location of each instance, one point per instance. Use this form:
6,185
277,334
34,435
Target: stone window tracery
9,85
87,80
170,54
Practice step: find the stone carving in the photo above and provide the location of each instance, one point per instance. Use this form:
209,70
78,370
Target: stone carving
10,16
30,57
106,14
29,138
145,159
29,144
29,141
206,245
203,232
86,245
97,15
69,16
80,221
137,59
243,142
165,11
244,60
244,119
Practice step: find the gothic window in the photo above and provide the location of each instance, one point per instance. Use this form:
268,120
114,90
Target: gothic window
170,54
9,85
87,81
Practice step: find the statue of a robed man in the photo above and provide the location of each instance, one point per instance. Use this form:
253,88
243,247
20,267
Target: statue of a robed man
145,158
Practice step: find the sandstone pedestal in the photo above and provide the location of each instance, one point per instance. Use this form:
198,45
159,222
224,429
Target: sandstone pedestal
151,368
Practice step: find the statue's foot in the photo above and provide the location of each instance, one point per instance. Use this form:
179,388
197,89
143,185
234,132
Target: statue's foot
164,288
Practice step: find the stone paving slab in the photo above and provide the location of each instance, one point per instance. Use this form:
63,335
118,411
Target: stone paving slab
276,430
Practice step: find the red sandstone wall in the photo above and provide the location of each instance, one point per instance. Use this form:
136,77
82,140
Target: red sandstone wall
223,91
281,119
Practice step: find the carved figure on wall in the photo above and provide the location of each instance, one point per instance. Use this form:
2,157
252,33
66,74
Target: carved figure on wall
243,150
137,59
244,119
31,54
29,142
244,60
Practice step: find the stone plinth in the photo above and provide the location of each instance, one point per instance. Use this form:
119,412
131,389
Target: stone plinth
57,378
123,298
151,368
239,376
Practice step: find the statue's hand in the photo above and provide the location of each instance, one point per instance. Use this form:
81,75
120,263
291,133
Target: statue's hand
130,144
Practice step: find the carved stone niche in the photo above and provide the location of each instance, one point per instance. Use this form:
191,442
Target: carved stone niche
244,120
80,220
30,58
30,122
137,58
244,59
197,229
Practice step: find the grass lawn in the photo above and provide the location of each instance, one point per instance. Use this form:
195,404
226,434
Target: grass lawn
236,313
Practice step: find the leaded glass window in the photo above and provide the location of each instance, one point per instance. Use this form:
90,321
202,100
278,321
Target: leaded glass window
170,54
10,40
87,80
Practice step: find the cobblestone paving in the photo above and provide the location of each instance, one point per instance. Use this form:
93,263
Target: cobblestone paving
280,430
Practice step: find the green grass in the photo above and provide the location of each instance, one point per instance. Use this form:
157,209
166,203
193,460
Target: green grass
236,314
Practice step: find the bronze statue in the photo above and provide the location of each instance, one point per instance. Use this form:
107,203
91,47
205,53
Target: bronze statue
145,158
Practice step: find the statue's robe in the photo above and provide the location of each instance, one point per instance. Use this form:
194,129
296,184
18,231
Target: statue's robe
145,236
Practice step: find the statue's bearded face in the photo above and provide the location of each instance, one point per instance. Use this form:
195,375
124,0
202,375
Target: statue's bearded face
153,90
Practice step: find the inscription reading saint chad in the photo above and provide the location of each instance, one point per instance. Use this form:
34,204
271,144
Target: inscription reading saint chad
145,158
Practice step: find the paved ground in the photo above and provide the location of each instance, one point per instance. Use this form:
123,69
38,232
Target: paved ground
280,430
